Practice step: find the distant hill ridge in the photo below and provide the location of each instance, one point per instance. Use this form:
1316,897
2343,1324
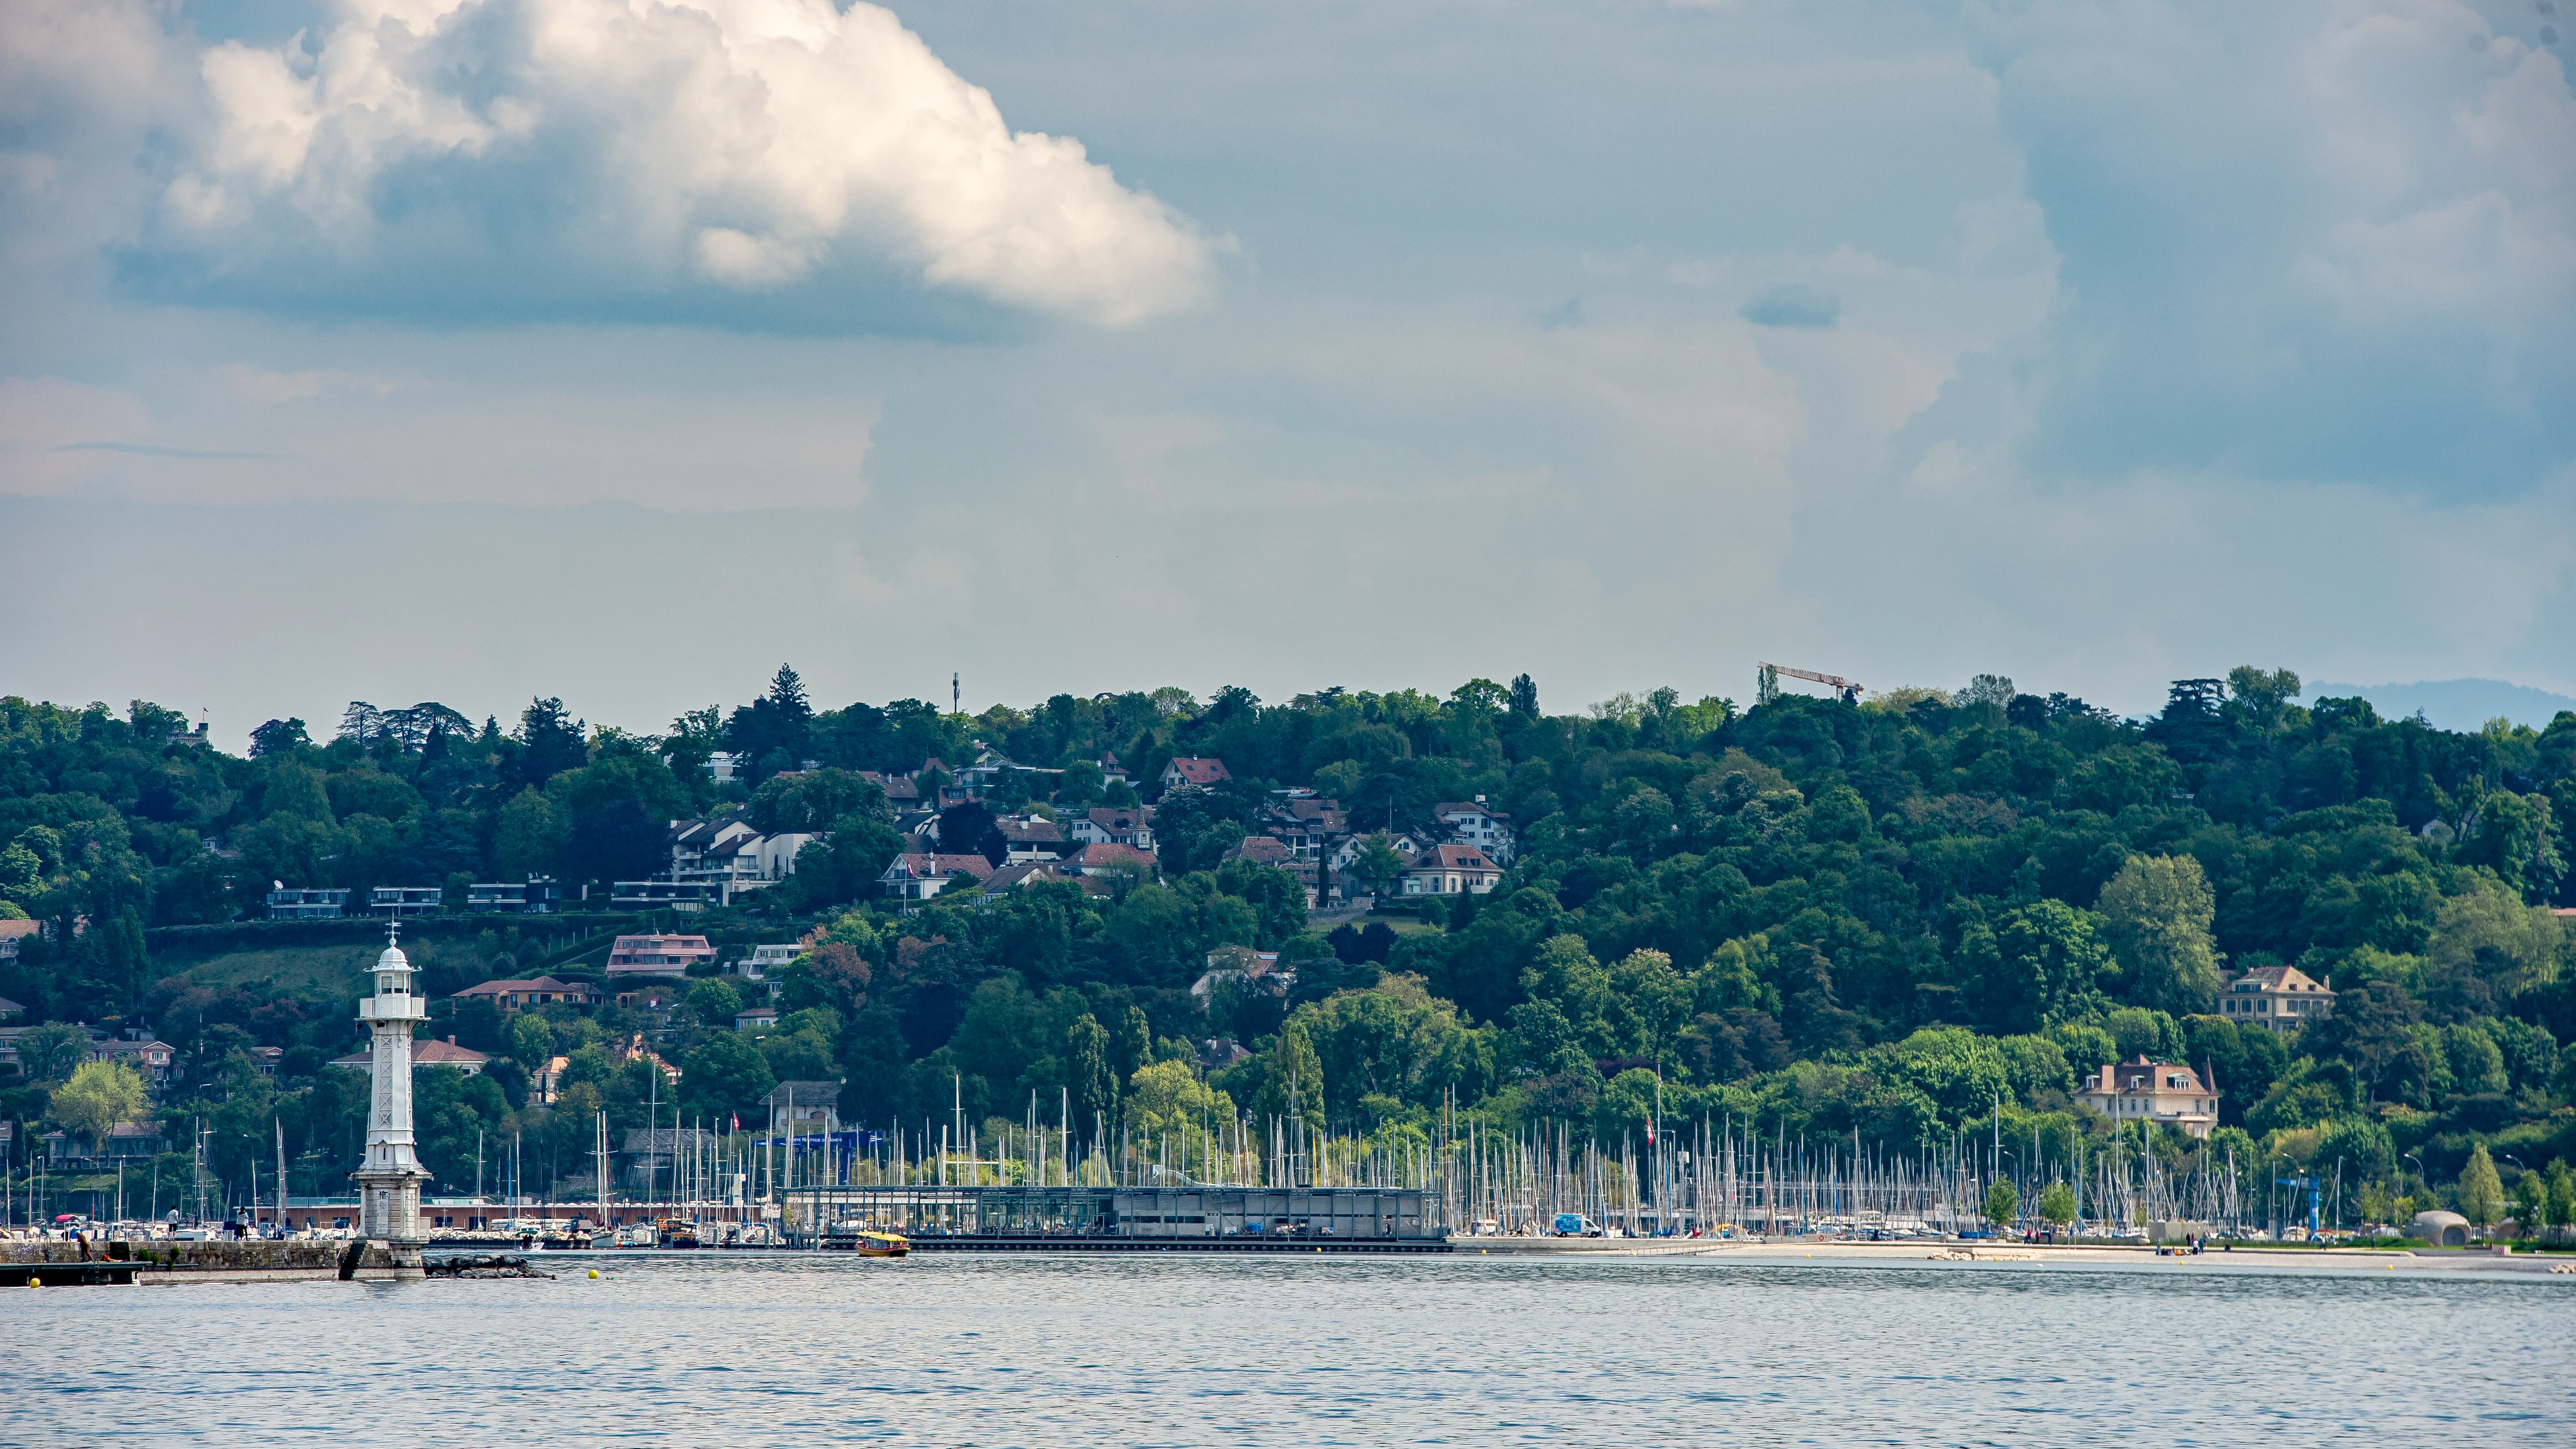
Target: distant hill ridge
2454,704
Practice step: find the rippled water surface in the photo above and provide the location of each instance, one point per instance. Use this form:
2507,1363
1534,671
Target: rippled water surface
1184,1350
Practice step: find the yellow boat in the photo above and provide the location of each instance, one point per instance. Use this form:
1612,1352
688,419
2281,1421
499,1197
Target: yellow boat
873,1244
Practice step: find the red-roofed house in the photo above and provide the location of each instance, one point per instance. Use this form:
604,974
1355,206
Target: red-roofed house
543,991
1451,870
148,1055
1093,859
1195,770
431,1053
1263,850
919,875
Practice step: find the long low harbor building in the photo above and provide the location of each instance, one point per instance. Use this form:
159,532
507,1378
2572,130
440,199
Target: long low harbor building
1197,1217
1113,1219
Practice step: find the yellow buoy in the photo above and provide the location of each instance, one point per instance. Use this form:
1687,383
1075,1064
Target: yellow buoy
594,1272
35,1282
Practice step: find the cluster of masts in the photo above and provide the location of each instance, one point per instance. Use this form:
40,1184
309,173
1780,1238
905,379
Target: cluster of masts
1708,1177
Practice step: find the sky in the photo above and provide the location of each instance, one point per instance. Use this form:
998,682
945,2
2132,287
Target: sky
473,350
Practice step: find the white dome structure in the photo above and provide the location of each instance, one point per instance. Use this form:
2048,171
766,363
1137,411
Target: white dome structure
2439,1228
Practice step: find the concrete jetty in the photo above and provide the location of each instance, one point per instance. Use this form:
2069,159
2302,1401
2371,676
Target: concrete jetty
150,1261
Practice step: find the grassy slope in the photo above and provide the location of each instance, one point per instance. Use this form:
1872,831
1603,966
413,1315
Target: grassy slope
338,970
302,970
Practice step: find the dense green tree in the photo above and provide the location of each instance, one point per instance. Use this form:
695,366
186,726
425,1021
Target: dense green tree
1090,1075
1881,918
98,1096
2156,915
715,1002
550,742
2562,1195
2481,1194
531,837
725,1076
50,1052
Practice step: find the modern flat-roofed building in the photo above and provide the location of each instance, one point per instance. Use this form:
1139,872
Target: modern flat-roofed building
405,900
658,955
329,903
538,895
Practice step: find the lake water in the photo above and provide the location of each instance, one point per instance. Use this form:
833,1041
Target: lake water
957,1350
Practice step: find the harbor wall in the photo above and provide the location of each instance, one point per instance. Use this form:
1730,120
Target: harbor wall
155,1261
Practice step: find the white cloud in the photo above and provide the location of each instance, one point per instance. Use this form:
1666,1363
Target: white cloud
601,151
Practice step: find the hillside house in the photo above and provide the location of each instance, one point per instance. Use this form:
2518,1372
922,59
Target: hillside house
434,1052
1195,770
405,900
2163,1093
510,996
658,955
328,903
1132,826
1030,838
1470,822
920,875
2276,998
1096,859
1451,870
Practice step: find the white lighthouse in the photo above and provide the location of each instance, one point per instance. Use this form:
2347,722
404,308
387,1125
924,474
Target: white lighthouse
389,1179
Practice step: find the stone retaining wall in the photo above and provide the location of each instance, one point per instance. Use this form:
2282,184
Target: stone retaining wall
242,1257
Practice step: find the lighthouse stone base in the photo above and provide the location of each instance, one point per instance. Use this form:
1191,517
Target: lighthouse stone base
389,1212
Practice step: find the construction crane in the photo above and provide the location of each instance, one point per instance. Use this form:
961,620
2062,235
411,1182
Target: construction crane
2303,1180
1767,688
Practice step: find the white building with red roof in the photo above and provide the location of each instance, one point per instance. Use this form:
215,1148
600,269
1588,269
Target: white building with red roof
1471,822
1201,771
1448,870
920,875
2163,1093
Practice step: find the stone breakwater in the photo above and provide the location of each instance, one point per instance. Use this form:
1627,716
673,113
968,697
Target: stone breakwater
155,1261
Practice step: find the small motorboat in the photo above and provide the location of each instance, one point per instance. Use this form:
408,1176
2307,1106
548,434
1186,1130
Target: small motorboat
874,1243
